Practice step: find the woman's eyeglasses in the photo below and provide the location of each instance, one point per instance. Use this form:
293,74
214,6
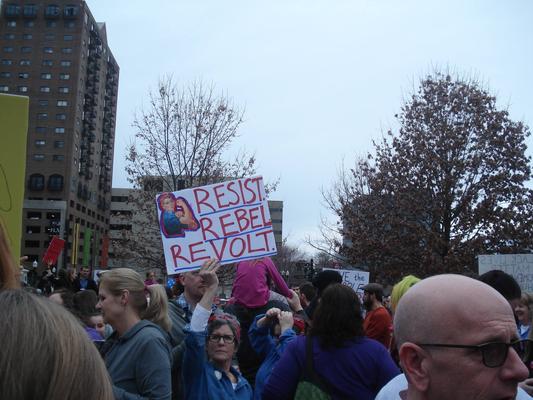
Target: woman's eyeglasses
228,339
493,354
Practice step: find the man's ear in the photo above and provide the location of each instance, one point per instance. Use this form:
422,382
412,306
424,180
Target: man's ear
415,362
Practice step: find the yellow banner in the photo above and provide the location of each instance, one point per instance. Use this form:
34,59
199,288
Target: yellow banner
13,135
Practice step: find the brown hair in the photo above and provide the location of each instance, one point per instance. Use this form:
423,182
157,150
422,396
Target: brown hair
38,332
8,267
338,316
120,279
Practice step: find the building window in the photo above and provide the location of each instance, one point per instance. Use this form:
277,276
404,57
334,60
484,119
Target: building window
59,144
70,11
40,143
25,50
61,117
48,50
24,62
35,215
29,24
24,75
46,75
64,77
67,37
62,103
47,63
11,24
66,50
4,88
45,89
59,130
40,129
63,90
22,89
49,36
32,243
58,157
33,229
9,36
36,183
7,62
51,10
8,49
43,103
51,24
27,36
42,116
5,74
70,24
38,157
29,10
55,183
66,63
12,10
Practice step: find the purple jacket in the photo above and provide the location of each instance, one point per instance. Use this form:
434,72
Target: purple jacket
250,287
357,370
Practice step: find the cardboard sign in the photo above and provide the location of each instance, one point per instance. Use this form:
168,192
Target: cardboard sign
519,266
229,221
13,131
54,249
354,278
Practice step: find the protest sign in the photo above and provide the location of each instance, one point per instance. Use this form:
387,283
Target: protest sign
13,131
519,266
353,278
229,221
54,249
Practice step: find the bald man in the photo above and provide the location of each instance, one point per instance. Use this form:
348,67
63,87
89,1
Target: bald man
442,326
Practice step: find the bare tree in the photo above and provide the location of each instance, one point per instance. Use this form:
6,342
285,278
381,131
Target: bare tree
181,141
448,186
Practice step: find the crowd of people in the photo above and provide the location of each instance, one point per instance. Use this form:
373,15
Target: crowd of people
128,337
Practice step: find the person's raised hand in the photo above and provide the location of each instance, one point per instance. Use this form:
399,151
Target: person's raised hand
286,320
272,313
208,273
294,302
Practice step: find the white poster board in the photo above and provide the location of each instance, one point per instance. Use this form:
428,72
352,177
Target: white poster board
229,221
519,266
353,278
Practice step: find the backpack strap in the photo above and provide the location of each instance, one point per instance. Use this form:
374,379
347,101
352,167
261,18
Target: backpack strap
312,375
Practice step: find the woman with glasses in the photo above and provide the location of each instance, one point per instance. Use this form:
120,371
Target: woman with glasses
210,345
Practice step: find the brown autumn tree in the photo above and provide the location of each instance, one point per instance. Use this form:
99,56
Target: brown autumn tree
449,185
181,141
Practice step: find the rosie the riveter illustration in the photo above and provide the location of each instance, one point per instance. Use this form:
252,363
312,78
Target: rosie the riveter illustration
176,216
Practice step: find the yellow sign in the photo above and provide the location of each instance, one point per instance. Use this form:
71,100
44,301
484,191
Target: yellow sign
13,135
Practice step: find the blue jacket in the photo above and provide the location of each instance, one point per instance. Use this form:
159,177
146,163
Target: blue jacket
265,346
139,363
202,380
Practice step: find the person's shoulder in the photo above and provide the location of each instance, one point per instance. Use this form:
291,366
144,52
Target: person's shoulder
391,391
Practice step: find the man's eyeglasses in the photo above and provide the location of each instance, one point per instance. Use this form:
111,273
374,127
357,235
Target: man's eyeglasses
493,354
228,339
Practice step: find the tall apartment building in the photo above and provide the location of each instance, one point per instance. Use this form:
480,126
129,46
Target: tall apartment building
57,54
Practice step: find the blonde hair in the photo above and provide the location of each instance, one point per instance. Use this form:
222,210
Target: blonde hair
37,332
120,279
157,310
8,267
400,289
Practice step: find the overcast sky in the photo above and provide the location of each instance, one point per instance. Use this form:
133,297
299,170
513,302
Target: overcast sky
319,79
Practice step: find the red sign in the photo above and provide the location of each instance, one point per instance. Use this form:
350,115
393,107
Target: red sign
104,257
54,249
